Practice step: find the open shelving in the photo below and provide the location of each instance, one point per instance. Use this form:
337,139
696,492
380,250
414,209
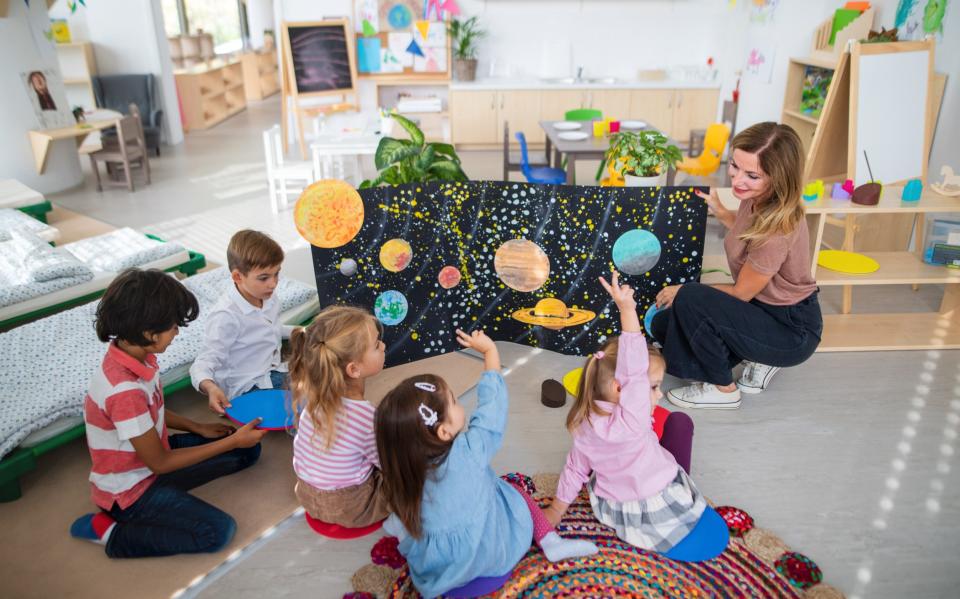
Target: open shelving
260,74
77,67
210,93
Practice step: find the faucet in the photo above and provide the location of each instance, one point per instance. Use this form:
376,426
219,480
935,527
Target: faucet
579,74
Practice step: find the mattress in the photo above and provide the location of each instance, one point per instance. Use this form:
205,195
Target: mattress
14,194
47,364
11,218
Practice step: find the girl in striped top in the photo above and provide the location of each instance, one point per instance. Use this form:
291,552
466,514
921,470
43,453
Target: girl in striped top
335,451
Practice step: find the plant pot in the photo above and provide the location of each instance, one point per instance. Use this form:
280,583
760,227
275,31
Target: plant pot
465,69
634,181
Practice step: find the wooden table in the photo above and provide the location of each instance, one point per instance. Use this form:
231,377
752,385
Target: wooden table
40,138
591,148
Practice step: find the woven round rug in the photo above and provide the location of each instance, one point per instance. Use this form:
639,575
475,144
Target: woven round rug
622,570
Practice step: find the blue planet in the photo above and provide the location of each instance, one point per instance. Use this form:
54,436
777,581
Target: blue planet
390,307
399,16
637,251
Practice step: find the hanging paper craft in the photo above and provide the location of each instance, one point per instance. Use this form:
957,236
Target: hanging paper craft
432,10
451,7
389,62
423,29
520,261
433,60
366,12
399,44
368,29
414,48
368,54
399,17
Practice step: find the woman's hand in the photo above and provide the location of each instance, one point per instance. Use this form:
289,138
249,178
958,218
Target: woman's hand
715,207
213,430
666,296
622,294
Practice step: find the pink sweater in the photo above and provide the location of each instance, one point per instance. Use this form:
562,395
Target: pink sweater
620,449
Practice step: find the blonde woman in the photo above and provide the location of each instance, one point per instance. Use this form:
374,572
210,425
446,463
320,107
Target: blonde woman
770,316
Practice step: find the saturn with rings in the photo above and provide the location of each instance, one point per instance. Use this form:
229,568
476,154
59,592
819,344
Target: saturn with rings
553,313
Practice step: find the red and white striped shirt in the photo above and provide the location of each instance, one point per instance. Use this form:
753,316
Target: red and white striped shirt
349,460
125,400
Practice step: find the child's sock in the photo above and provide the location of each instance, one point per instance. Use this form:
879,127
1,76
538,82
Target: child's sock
557,548
93,527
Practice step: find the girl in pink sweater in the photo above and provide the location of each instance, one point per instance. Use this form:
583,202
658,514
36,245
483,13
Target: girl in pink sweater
636,486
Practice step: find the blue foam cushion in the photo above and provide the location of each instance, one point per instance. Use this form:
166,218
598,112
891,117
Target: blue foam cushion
648,318
477,587
272,405
706,541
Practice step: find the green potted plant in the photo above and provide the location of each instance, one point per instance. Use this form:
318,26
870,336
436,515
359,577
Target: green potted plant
413,160
643,157
465,35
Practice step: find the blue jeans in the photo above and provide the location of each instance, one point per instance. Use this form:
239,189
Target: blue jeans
279,380
706,332
167,520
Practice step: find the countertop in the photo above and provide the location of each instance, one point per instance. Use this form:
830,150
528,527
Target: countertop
538,84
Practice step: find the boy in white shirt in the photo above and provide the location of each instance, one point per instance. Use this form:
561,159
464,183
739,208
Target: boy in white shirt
241,349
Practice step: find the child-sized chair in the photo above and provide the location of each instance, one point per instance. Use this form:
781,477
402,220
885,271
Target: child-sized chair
538,174
283,178
130,148
583,114
510,160
708,161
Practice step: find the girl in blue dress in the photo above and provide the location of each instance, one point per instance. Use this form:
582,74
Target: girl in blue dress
455,519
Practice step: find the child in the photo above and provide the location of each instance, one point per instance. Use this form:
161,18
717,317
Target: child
636,487
140,475
335,452
241,349
455,519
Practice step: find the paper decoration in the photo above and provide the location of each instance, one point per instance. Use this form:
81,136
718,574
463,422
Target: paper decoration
915,19
400,16
399,44
433,60
368,29
432,10
48,98
414,48
60,31
451,6
366,12
423,28
438,227
763,11
368,54
760,55
390,62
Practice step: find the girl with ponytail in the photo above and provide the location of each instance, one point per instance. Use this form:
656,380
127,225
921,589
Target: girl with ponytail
335,451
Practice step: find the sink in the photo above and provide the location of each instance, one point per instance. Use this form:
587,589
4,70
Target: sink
574,80
605,80
560,80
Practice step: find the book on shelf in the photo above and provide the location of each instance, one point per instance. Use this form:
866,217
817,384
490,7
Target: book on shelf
407,103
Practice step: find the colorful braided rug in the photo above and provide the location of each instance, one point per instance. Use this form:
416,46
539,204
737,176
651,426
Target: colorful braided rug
755,564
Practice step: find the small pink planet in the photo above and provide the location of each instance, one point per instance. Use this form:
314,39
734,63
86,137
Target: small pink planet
449,277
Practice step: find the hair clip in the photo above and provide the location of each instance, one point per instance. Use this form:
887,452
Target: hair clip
428,387
429,415
599,355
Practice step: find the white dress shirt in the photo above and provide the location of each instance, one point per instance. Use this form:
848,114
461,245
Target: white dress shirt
241,345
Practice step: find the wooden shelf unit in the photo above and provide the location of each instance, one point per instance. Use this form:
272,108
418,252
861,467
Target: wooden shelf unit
805,124
851,331
260,74
435,125
210,93
77,67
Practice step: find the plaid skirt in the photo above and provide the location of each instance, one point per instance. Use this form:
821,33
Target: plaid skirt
656,523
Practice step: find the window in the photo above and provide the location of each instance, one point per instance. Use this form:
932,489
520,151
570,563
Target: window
171,17
218,17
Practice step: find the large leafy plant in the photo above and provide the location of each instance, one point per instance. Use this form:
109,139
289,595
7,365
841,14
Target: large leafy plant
414,160
641,153
465,34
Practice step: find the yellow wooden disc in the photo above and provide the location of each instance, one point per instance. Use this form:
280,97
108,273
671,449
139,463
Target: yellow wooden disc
849,262
571,381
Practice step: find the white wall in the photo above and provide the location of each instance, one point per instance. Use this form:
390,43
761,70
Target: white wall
24,48
129,37
259,17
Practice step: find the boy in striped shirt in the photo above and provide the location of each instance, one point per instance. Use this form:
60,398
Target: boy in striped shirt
140,474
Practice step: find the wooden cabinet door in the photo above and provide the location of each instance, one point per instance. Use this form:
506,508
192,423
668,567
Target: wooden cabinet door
655,106
555,103
473,117
520,109
693,109
613,103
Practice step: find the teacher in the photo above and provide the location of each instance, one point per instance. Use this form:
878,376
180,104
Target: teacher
770,315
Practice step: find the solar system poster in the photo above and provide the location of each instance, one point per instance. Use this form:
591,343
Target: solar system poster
520,261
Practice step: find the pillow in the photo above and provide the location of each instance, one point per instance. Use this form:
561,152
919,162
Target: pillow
121,249
41,262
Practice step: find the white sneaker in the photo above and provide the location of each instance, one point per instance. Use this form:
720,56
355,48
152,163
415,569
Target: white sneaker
704,395
756,377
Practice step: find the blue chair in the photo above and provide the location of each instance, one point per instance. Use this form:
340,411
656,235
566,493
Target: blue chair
538,174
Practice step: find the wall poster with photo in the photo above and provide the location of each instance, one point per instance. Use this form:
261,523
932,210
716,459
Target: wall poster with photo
45,89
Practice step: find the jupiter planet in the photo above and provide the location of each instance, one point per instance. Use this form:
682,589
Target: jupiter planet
329,213
522,265
395,255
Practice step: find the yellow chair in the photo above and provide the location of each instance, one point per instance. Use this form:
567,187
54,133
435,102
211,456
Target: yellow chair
708,161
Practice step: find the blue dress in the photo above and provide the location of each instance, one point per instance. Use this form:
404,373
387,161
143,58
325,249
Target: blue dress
473,523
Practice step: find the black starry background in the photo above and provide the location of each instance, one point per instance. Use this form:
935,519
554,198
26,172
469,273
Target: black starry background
463,225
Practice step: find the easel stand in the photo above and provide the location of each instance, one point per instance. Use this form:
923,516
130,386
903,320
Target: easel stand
344,99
